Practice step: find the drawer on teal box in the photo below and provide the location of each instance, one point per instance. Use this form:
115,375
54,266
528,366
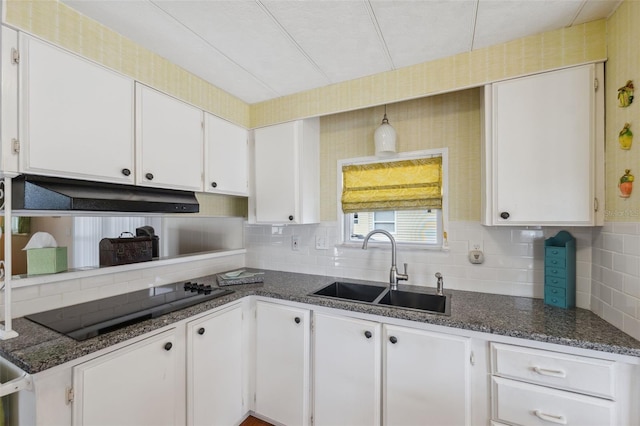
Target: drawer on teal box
555,272
555,281
551,251
550,291
559,301
555,261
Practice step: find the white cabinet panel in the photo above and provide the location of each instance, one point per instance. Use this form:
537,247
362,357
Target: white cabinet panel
169,141
287,176
347,373
544,148
76,116
215,369
282,363
116,388
426,378
226,157
525,404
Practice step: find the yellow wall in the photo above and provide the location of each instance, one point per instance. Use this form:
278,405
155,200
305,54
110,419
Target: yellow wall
623,35
450,120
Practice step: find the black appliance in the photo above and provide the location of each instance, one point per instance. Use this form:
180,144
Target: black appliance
91,319
51,193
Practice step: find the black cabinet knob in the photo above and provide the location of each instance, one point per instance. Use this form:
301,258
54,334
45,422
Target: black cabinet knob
505,215
214,184
126,172
393,339
168,346
297,320
201,331
368,334
290,217
149,176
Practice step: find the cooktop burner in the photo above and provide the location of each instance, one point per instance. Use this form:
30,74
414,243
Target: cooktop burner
91,319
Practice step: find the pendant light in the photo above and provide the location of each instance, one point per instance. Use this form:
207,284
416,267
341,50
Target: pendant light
385,137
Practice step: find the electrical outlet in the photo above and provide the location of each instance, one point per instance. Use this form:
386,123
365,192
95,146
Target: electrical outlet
321,242
295,243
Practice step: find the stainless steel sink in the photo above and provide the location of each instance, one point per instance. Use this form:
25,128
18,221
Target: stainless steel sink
382,296
351,291
420,301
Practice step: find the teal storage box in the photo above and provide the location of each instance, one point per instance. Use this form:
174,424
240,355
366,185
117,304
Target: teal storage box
46,260
560,270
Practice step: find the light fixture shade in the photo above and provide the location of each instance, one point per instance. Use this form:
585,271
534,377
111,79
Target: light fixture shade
385,138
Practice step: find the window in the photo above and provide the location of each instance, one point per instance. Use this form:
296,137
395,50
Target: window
404,196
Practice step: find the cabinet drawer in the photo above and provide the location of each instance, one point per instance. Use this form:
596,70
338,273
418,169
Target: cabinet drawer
555,262
555,252
570,372
555,272
555,281
525,404
555,300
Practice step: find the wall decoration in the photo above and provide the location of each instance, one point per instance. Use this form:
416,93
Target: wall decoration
626,184
625,138
625,95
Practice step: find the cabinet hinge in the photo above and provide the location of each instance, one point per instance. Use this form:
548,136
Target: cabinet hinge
70,395
472,358
596,84
15,145
15,56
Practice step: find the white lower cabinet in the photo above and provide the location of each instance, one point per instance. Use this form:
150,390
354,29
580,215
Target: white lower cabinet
215,369
347,373
137,385
539,387
282,359
425,375
427,378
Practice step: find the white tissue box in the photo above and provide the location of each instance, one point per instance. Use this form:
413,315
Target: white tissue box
46,260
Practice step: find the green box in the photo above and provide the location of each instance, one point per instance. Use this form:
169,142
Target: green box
46,260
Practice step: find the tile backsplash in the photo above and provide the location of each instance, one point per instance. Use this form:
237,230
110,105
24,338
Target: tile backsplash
608,262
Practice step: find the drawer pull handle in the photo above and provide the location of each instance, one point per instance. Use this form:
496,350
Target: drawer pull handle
548,372
560,420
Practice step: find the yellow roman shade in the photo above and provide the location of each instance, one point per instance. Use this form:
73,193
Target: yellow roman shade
396,185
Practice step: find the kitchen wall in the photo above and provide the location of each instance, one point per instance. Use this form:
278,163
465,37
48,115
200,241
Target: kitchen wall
615,290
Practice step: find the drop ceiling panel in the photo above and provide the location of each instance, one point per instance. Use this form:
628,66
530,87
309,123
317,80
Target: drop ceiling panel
163,35
421,31
243,32
499,21
339,36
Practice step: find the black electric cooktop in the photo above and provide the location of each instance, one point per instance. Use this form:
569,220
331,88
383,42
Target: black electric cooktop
91,319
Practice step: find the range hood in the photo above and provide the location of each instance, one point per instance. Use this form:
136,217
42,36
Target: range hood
49,193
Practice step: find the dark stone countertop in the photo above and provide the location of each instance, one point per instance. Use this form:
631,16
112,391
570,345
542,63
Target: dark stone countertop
38,348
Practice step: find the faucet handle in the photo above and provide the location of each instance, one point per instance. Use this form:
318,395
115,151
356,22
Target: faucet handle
406,267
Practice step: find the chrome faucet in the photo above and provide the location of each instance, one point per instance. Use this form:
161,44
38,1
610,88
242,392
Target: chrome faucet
394,276
440,284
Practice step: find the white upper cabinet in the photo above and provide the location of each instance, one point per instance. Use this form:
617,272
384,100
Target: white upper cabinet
76,117
169,141
287,172
544,149
226,157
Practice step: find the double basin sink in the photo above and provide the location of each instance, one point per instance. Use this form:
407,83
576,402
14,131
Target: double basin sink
383,296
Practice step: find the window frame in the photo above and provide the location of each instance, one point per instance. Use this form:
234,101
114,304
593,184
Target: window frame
343,217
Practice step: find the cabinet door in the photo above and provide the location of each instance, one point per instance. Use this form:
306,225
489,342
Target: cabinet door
215,369
542,155
426,378
287,179
169,141
76,116
346,364
225,157
116,388
282,363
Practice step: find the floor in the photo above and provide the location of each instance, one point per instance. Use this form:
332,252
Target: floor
252,421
